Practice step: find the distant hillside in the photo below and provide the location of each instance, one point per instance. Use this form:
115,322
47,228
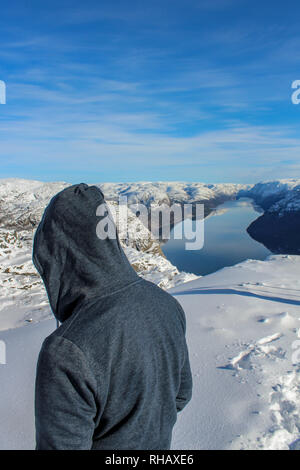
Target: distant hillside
279,227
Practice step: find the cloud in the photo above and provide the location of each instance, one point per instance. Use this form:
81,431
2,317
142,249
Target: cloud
161,86
117,141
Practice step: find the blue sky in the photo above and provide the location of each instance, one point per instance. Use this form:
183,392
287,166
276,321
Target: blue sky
125,90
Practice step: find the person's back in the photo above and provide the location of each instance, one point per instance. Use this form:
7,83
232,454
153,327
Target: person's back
116,372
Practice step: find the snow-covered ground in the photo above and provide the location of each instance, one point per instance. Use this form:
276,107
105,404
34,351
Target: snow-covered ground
243,329
243,332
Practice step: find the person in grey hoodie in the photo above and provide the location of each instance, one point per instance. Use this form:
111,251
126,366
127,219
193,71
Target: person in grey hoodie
116,372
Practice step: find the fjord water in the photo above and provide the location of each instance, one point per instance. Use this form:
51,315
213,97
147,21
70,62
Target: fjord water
226,241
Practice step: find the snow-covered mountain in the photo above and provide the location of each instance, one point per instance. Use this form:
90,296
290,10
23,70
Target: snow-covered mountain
275,196
171,192
279,227
22,201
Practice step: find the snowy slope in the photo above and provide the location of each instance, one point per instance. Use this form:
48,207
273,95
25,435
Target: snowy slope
279,226
243,328
242,324
17,384
170,192
289,203
22,202
22,192
276,196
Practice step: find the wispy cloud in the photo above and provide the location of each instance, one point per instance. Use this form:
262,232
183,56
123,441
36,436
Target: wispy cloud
192,90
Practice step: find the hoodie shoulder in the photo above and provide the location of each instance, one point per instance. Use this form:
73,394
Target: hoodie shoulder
164,299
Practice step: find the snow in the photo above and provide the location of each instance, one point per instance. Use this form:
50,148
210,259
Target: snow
169,192
265,189
289,203
243,325
278,196
22,294
242,329
23,200
17,384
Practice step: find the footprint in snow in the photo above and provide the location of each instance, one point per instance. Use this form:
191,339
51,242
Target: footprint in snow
262,348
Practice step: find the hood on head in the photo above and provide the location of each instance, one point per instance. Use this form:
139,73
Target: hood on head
74,263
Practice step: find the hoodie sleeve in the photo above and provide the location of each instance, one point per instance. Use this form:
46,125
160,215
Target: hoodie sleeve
184,394
65,404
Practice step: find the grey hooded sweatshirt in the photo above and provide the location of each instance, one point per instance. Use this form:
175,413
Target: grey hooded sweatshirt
116,371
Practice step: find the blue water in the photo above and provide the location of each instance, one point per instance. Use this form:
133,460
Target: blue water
226,241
